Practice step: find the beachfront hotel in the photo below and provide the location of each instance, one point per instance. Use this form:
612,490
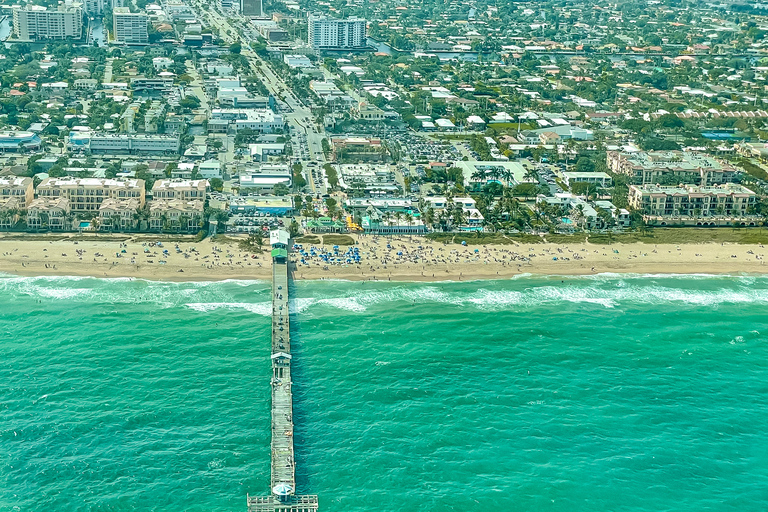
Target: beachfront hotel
691,205
19,188
86,194
671,167
49,213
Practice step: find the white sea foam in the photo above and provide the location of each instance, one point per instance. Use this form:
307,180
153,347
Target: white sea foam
260,308
605,290
347,304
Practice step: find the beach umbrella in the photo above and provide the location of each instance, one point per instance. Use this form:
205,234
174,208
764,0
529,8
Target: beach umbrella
464,243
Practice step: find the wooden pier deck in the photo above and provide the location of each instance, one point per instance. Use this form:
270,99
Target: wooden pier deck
283,497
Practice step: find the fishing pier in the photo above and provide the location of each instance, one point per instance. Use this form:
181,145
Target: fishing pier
283,497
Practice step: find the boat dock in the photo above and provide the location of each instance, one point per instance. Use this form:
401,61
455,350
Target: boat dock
283,497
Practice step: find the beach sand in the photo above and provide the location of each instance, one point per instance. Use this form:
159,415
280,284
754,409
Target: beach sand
420,260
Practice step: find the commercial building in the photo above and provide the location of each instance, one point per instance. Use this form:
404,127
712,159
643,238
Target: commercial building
261,121
272,32
297,61
262,151
269,205
597,178
671,168
135,143
34,22
375,180
264,179
376,223
17,187
209,169
387,204
142,84
333,97
87,194
251,8
331,34
129,27
720,205
239,97
487,171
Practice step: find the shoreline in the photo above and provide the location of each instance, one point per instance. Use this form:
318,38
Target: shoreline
385,260
638,271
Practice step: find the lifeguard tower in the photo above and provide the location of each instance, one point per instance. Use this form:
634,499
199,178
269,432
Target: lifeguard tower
278,239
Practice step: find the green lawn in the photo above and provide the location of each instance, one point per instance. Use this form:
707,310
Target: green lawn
308,239
338,240
651,236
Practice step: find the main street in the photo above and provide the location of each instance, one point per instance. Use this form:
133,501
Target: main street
297,114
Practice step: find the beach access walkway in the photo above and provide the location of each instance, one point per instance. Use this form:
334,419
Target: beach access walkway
283,497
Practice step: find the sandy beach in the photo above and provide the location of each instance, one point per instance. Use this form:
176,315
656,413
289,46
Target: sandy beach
396,259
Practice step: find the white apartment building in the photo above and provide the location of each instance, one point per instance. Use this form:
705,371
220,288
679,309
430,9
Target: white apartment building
34,22
175,215
129,27
94,7
17,187
332,34
118,214
183,190
694,205
48,213
87,194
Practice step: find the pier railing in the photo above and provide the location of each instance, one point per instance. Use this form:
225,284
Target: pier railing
283,497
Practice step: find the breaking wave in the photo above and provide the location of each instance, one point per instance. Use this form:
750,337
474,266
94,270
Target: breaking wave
604,290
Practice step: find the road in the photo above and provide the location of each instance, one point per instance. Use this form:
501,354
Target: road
297,114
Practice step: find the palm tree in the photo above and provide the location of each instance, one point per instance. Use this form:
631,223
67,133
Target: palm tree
398,216
429,216
409,219
458,217
44,219
183,222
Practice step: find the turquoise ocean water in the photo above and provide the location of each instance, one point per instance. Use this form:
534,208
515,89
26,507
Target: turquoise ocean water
607,393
